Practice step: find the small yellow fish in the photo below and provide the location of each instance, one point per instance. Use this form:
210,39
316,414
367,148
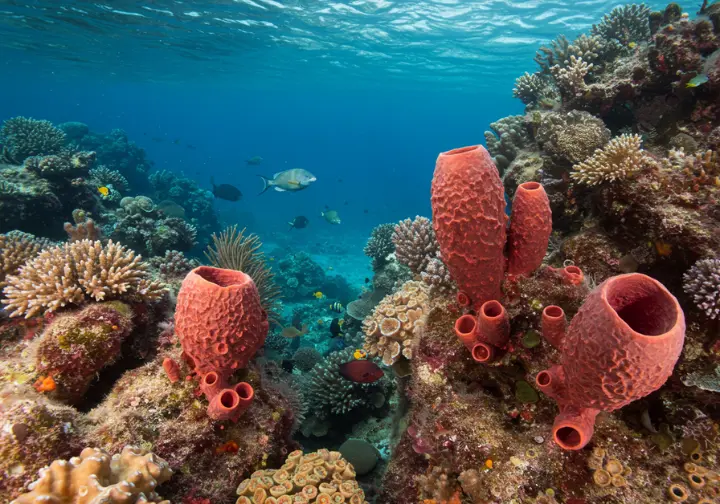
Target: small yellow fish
341,322
272,259
318,295
104,191
632,45
359,354
336,307
320,322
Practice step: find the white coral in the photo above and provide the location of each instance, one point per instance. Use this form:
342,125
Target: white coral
622,157
572,76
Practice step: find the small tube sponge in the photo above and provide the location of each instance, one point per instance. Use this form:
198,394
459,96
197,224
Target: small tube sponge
494,324
553,325
530,228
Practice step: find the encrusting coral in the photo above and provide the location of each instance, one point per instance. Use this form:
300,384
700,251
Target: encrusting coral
322,477
131,476
389,331
73,273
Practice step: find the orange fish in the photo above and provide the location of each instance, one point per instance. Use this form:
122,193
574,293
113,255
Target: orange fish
45,384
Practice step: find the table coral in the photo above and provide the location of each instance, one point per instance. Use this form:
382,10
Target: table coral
129,477
390,329
322,477
73,273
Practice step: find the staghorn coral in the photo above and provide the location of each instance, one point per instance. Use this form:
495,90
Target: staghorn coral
64,164
415,243
701,168
702,282
232,249
74,272
380,244
571,136
305,358
84,229
548,57
587,48
104,176
391,327
16,248
321,477
571,77
128,477
23,137
625,24
621,158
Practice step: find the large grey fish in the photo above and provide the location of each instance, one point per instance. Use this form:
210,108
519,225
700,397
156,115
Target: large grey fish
296,179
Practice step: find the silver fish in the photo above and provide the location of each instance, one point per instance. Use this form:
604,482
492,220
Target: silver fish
296,179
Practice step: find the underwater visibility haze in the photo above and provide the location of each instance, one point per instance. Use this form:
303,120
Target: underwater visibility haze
363,252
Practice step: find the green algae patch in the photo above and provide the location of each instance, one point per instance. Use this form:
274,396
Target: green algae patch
524,393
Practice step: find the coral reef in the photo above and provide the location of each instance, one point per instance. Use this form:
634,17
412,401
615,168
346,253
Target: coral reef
702,282
621,158
415,243
23,137
305,358
16,248
95,476
381,243
75,272
66,164
571,137
321,477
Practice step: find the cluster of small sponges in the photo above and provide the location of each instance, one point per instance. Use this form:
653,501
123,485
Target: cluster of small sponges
415,243
321,477
702,282
390,329
16,248
23,137
74,272
622,157
95,477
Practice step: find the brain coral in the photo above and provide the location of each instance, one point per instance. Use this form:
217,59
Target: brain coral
94,477
571,136
73,272
389,330
321,477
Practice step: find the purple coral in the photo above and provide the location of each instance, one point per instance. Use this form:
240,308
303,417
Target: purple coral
702,282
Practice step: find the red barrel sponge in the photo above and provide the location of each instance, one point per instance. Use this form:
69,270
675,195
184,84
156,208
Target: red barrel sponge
219,319
468,205
530,228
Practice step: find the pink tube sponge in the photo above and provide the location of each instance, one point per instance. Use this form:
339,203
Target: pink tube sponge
469,218
219,319
530,228
622,345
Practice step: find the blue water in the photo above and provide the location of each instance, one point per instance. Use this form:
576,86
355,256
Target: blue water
367,92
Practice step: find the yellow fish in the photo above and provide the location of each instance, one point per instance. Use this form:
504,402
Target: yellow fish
359,354
341,322
104,191
632,45
318,295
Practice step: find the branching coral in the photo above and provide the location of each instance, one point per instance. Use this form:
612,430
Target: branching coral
321,477
155,235
173,266
587,48
380,244
547,57
73,273
571,136
437,277
625,24
104,176
702,168
16,248
390,329
23,137
415,243
128,477
622,157
529,88
232,249
702,282
571,77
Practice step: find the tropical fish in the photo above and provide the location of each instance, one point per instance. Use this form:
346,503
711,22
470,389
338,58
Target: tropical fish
697,81
104,191
296,179
254,161
291,332
225,191
359,354
318,295
299,222
632,45
360,371
336,328
331,216
171,209
337,307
